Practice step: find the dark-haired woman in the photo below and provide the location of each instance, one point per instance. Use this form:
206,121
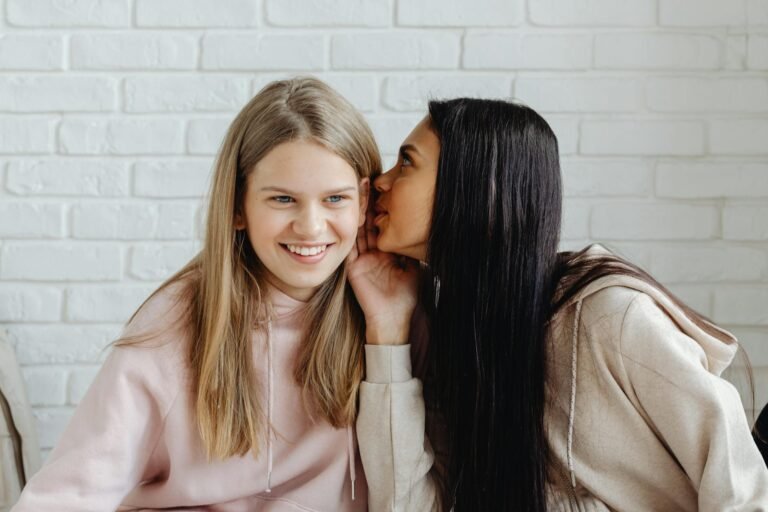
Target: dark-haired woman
552,381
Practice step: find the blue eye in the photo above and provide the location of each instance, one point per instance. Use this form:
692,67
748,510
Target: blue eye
335,199
282,199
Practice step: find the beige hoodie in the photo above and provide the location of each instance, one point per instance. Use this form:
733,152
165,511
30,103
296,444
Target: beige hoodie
637,416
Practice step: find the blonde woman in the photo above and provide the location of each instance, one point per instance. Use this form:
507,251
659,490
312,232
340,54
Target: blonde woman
234,385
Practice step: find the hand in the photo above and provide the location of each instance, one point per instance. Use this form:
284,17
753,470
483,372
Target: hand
385,286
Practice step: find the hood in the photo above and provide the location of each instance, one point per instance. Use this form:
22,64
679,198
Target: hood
720,347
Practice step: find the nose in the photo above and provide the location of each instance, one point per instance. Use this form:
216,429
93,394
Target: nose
310,222
383,182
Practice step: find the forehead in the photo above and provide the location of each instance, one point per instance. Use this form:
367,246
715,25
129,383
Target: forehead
302,162
424,137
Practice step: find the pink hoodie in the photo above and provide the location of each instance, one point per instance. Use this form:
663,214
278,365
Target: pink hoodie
133,442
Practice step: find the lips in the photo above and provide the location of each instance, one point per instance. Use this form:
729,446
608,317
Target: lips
306,253
381,212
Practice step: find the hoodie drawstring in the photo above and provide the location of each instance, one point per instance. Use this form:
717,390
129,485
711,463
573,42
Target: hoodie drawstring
572,413
270,400
351,458
270,378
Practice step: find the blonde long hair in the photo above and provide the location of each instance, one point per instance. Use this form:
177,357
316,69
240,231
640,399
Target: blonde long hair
222,285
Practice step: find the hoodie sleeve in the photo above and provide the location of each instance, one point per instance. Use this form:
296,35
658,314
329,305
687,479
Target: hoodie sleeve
394,449
696,413
104,451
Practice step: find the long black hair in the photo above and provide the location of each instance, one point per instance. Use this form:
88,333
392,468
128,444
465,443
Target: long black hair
494,280
492,256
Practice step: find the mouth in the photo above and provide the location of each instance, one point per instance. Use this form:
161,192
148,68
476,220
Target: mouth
381,212
306,253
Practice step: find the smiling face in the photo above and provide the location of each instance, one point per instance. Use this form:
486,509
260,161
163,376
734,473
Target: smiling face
301,210
406,195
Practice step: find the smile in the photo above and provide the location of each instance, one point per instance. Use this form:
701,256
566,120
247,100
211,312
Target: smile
304,250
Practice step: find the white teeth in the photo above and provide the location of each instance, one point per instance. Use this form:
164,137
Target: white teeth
307,251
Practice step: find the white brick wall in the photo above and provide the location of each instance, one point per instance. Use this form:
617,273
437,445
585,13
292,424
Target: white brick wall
112,111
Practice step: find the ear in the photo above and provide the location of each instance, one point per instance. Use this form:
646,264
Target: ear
239,222
365,191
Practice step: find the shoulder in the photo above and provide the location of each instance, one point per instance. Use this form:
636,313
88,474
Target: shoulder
163,311
598,316
152,349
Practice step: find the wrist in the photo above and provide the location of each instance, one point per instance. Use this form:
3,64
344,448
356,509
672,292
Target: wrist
386,335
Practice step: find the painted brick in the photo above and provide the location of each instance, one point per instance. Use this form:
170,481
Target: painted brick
657,51
80,379
741,305
121,136
40,261
757,13
29,304
329,13
133,221
575,220
711,180
458,13
567,133
26,135
57,93
391,131
411,93
757,52
153,262
707,95
138,51
735,52
592,12
186,178
395,51
260,52
653,221
68,177
31,52
745,222
113,304
642,138
197,13
74,13
495,50
694,13
708,264
204,136
739,137
51,423
121,221
579,94
45,386
60,344
186,94
31,220
596,178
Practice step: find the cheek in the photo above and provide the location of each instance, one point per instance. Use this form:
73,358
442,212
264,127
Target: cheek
347,223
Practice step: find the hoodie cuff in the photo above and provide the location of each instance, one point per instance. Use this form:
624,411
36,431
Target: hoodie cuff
385,364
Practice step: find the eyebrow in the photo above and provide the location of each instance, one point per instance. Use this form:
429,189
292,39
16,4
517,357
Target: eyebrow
405,148
293,193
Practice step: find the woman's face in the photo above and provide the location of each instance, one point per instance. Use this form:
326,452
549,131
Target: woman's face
406,194
302,208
